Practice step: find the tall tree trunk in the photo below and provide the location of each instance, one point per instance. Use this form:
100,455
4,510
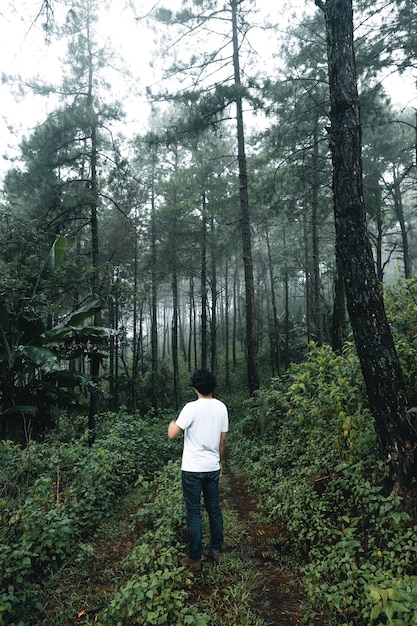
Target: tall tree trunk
395,428
226,327
378,246
114,346
286,308
318,315
399,211
175,297
338,318
213,322
251,333
307,275
154,304
204,342
235,317
191,322
174,337
135,326
286,318
164,335
275,338
95,285
95,358
195,346
140,350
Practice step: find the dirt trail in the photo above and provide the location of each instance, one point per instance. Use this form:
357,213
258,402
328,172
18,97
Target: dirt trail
262,550
279,603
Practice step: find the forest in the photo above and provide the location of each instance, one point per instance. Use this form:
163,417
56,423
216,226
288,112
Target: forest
255,219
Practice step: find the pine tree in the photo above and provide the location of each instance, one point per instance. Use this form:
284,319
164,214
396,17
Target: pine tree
395,427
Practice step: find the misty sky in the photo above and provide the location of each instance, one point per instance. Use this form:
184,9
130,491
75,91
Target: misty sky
25,51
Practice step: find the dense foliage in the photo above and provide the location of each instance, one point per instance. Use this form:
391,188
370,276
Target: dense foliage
316,467
61,501
309,450
150,226
53,495
152,221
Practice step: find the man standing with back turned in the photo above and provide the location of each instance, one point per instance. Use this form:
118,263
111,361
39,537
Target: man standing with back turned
205,424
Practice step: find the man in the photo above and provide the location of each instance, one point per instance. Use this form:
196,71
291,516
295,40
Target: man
205,424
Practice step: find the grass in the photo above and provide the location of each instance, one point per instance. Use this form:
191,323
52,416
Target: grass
231,593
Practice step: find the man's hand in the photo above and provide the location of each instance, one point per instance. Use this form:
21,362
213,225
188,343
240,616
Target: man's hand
173,430
222,445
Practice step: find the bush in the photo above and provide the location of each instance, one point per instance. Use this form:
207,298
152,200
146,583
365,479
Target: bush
54,494
315,466
401,307
155,590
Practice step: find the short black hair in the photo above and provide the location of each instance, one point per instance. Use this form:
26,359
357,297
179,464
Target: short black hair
204,381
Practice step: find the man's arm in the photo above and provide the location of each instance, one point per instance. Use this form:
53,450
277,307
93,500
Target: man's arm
223,437
173,430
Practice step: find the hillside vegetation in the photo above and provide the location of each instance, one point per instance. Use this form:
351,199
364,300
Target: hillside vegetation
309,452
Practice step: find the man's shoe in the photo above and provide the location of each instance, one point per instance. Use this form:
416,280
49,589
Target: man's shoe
192,564
212,556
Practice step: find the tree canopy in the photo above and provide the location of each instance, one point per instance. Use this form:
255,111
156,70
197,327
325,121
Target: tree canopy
267,190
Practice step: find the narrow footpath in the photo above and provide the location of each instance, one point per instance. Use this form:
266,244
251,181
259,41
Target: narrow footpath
256,571
265,552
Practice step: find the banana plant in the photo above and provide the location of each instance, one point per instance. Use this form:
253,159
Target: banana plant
34,360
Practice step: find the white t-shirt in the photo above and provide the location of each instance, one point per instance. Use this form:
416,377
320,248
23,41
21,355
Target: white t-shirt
202,421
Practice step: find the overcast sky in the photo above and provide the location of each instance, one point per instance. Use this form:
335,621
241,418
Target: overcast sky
24,50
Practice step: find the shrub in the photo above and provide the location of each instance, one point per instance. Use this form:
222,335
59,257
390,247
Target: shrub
154,594
401,307
54,494
315,465
155,591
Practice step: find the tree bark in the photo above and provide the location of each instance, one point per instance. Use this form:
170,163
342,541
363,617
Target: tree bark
174,336
191,331
235,317
275,335
318,314
395,428
251,332
286,318
114,345
154,302
338,317
399,211
95,357
213,322
307,276
378,246
95,287
135,325
226,327
204,341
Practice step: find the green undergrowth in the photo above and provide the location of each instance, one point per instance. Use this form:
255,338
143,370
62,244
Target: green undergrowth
309,451
155,589
53,496
99,528
94,534
148,585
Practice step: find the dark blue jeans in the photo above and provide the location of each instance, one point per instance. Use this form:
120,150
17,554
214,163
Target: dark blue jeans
193,485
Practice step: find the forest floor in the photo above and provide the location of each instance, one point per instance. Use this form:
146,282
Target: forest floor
259,547
278,599
264,550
